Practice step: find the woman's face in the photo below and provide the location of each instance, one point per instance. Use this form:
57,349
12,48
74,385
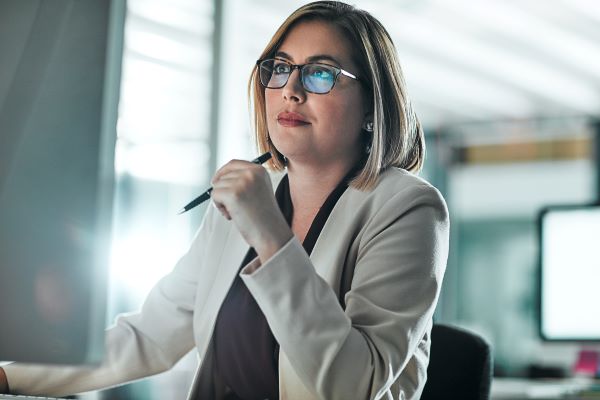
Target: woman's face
317,128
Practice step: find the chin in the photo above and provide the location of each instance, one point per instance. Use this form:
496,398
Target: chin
287,145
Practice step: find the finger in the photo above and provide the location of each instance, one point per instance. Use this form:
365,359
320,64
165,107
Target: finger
234,165
229,167
228,175
222,209
239,181
225,186
227,191
225,214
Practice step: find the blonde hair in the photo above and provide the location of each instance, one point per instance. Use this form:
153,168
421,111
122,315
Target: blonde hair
397,137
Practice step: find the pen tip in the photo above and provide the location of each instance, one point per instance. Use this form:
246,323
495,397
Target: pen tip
181,211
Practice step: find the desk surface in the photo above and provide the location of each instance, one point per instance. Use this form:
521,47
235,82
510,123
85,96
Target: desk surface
546,389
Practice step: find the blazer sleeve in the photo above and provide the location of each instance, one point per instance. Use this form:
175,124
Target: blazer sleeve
138,344
360,352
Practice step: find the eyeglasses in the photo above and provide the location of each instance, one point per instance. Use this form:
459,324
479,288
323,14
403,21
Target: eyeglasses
316,78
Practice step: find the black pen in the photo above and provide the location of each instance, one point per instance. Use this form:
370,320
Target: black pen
206,195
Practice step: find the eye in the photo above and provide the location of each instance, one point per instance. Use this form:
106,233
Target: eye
281,68
321,73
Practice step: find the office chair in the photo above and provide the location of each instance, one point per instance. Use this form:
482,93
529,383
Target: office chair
460,365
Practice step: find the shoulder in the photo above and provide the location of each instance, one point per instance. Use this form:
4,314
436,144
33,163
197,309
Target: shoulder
401,190
400,200
394,180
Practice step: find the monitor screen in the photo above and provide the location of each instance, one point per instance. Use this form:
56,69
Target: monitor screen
59,80
570,273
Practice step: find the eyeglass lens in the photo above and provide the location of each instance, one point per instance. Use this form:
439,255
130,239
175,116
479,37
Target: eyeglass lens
316,78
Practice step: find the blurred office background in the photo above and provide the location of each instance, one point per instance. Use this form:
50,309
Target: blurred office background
508,93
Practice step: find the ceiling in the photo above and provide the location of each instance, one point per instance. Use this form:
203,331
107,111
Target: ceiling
485,60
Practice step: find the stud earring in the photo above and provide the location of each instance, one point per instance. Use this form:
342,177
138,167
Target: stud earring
368,126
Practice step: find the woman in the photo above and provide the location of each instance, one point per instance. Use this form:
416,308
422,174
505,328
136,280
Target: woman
324,289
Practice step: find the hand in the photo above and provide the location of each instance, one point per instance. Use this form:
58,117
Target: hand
242,191
3,382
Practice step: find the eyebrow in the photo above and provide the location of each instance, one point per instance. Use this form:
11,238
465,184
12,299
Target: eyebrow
315,58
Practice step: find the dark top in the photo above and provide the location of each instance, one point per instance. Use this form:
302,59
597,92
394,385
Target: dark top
246,352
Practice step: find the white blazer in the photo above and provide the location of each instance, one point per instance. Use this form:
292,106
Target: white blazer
385,250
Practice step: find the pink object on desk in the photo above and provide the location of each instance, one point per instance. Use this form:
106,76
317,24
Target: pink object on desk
587,363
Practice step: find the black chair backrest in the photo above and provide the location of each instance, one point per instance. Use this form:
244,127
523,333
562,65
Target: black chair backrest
460,365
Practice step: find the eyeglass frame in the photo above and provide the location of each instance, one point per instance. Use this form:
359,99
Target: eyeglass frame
338,71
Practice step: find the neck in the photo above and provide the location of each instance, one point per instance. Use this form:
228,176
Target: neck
311,184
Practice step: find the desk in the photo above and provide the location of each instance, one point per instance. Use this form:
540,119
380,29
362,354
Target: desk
546,389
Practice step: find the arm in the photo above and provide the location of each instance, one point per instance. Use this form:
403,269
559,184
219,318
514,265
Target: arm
139,344
361,351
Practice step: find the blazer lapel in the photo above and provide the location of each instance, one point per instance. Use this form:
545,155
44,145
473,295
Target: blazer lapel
227,268
328,255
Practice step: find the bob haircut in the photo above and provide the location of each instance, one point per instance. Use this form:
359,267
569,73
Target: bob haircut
397,139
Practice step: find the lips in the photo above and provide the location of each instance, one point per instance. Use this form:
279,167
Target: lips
291,119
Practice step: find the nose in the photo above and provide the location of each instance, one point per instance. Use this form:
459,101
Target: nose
293,90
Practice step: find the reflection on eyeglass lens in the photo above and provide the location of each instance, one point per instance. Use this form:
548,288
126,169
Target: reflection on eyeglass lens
315,77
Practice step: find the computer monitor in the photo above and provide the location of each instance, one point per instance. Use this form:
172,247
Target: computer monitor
569,255
59,86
